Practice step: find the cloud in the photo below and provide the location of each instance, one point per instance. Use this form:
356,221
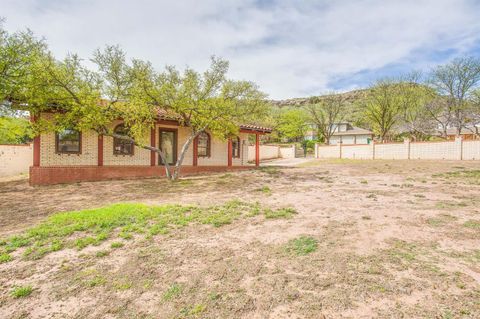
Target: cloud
290,49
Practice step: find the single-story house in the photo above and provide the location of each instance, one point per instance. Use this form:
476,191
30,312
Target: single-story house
72,156
467,133
344,133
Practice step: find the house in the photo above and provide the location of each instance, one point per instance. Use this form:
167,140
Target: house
344,133
72,156
468,133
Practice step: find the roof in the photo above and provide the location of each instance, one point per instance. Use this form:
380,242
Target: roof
354,131
464,130
165,115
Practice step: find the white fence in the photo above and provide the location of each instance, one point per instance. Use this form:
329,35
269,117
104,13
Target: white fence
15,159
447,150
272,151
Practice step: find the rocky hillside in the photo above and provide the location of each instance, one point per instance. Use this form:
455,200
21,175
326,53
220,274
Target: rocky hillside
351,96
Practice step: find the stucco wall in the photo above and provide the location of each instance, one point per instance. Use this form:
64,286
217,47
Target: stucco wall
350,139
15,159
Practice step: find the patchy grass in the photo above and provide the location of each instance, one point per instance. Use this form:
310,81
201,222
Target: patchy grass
441,220
301,246
280,213
172,292
474,224
264,189
21,291
463,176
5,257
80,229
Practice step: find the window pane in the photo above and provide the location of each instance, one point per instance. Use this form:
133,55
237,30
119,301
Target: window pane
168,146
68,141
122,147
203,144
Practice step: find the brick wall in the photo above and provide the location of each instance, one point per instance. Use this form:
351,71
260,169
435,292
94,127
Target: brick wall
58,175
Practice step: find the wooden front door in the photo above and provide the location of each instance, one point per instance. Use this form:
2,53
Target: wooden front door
168,144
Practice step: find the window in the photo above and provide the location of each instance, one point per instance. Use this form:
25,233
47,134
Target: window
236,147
68,141
203,145
121,146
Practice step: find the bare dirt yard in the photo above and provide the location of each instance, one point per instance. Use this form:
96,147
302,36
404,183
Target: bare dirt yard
328,239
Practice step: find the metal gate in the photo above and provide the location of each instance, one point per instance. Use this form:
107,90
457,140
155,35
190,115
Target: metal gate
299,151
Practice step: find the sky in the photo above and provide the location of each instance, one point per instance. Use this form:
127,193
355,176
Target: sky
289,48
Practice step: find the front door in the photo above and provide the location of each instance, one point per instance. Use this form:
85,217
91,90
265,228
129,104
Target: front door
168,144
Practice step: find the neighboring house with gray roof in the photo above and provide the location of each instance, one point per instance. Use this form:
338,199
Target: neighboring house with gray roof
345,133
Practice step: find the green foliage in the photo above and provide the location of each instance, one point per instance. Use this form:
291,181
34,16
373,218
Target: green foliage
172,292
302,245
5,257
21,291
94,226
15,130
292,124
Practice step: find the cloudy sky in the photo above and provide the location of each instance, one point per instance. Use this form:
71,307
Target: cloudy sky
290,48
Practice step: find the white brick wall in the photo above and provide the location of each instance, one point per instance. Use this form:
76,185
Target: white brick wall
15,159
471,150
391,151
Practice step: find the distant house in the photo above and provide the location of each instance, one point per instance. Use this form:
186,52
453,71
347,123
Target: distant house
343,132
467,133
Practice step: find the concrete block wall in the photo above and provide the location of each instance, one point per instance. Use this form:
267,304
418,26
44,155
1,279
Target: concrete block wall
445,150
15,159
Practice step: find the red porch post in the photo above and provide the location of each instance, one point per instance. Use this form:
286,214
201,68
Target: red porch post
100,150
229,152
195,151
152,144
36,144
257,149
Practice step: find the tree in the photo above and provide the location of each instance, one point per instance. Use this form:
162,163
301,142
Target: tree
414,98
326,112
292,124
135,92
14,130
456,82
383,107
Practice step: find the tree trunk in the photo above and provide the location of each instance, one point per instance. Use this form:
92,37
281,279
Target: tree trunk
178,164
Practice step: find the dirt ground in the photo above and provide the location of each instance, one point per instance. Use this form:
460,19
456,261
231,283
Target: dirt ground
396,239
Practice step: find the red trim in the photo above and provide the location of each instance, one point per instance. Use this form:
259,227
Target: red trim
152,144
257,149
100,150
36,144
253,132
195,151
71,174
229,152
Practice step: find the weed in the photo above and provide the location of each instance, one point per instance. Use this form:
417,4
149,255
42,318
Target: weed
287,212
172,292
21,291
302,245
193,310
264,189
363,181
116,244
5,257
475,224
97,281
102,253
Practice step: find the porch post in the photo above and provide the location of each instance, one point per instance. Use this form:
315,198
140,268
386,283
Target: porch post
100,150
257,149
36,144
229,152
152,144
195,151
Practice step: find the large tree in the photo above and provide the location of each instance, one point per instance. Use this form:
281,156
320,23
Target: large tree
383,107
135,92
325,112
414,98
292,124
456,82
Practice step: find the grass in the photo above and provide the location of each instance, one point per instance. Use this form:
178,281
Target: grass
80,229
280,213
302,245
475,224
463,176
265,189
172,292
116,244
21,291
